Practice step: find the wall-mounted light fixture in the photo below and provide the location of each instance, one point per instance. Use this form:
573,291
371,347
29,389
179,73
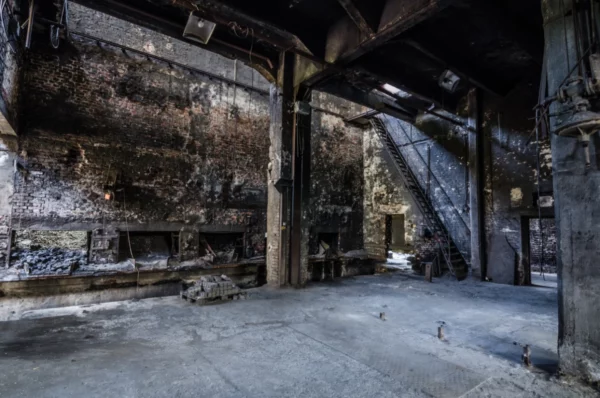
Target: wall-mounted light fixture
198,29
449,81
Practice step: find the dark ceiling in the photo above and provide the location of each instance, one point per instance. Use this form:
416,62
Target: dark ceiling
350,46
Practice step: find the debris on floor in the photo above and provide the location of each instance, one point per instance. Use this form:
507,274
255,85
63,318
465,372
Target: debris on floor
210,289
49,261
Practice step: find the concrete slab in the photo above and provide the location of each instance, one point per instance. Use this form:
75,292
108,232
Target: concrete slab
323,341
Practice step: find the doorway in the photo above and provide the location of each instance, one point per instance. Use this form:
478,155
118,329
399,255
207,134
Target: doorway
394,233
539,251
395,242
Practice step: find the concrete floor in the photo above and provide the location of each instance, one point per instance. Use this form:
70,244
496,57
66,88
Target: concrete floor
546,280
323,341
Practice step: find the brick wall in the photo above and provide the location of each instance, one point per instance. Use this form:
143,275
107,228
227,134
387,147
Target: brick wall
97,24
385,194
542,249
337,181
168,146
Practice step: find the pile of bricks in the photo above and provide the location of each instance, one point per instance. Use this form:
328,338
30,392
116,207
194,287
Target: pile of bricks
211,288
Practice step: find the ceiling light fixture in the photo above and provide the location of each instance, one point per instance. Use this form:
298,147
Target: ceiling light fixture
449,81
198,29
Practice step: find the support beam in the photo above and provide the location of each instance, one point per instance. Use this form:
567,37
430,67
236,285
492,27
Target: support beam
476,183
8,148
301,200
280,177
261,30
153,18
356,17
577,213
371,99
398,16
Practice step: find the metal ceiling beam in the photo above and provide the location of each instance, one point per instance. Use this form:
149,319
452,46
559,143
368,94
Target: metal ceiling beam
499,19
357,17
153,19
371,99
398,16
225,15
465,76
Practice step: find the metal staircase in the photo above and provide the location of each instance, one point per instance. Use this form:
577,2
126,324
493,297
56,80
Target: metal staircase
452,257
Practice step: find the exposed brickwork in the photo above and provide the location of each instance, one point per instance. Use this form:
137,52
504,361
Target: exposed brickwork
97,24
337,180
385,194
165,145
542,249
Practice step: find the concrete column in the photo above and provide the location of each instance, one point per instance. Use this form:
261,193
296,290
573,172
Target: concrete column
577,208
280,178
8,148
477,226
300,217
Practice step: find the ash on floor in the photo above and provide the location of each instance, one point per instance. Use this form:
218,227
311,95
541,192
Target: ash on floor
323,341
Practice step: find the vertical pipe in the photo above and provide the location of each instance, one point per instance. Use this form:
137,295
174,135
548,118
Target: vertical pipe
577,211
476,182
30,24
428,172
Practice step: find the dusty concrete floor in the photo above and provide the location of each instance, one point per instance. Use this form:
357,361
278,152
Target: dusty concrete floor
323,341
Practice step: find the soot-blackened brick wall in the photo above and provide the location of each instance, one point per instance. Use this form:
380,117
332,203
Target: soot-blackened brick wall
337,181
542,245
169,147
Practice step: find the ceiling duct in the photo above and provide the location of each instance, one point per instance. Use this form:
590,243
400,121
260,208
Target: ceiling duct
198,29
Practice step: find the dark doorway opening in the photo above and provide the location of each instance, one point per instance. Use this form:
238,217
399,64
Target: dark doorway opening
145,246
227,248
397,242
328,243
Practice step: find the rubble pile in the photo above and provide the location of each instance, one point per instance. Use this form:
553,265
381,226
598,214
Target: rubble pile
210,289
53,261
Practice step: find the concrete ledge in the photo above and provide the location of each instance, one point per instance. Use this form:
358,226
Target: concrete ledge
55,292
243,274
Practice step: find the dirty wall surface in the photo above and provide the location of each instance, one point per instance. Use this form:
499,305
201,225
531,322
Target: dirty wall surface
437,153
114,138
337,180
